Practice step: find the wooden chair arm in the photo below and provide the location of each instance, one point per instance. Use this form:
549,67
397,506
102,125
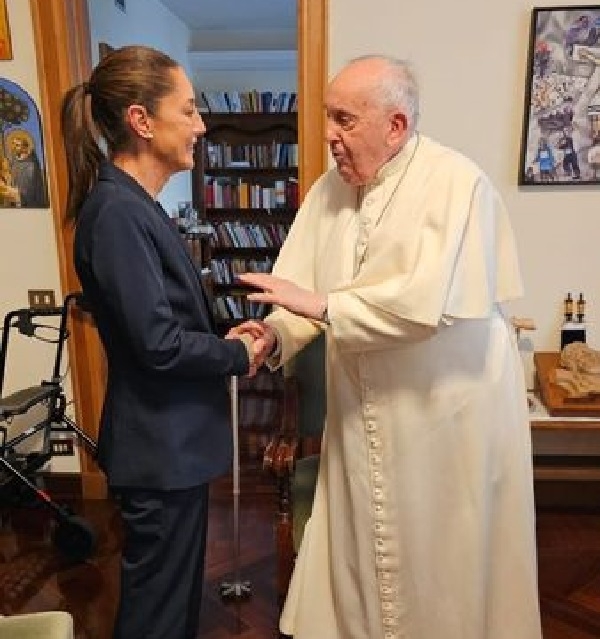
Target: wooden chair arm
280,453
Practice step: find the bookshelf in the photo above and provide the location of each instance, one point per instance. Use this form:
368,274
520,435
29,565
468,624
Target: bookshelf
245,189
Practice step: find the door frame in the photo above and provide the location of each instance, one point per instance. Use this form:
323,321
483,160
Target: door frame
63,52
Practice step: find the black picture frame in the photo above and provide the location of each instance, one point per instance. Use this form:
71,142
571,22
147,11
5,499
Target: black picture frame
561,125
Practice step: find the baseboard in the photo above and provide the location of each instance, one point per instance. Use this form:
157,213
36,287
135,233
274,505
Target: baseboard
63,486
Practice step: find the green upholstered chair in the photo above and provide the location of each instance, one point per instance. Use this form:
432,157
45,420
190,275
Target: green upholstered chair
55,624
293,453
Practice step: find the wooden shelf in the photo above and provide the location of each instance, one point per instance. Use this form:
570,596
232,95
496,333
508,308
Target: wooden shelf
252,124
567,467
566,437
244,251
257,138
252,171
257,216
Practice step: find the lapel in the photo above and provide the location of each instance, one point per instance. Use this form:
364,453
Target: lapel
191,264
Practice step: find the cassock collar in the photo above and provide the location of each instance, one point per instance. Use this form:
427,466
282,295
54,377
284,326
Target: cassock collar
399,163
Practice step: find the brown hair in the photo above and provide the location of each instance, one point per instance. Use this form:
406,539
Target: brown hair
126,76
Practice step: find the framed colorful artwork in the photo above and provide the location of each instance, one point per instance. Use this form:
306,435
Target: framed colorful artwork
5,42
561,126
22,164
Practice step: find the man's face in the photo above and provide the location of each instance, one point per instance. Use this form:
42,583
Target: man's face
362,135
19,147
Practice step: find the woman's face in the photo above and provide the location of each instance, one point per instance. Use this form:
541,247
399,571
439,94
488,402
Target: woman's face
176,126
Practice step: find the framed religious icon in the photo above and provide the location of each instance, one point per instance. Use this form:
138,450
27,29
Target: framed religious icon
22,164
561,125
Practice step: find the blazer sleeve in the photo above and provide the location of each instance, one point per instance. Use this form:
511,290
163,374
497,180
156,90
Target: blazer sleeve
128,271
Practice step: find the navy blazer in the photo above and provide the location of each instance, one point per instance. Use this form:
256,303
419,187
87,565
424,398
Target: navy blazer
166,419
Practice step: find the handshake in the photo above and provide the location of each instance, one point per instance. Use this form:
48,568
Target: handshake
280,292
262,340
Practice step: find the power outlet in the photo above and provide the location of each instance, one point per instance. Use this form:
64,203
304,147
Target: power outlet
61,447
41,298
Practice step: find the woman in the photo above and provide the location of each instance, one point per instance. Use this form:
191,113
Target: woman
164,431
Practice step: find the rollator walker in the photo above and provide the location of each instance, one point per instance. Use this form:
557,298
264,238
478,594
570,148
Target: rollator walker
20,465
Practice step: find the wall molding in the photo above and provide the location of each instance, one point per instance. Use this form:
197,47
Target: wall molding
202,40
243,59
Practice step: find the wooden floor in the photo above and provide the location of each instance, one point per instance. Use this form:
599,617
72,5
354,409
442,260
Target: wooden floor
34,577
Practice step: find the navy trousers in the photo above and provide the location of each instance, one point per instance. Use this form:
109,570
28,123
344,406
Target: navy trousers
162,564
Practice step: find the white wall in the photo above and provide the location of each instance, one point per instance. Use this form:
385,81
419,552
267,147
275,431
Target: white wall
28,258
149,23
28,255
470,58
208,79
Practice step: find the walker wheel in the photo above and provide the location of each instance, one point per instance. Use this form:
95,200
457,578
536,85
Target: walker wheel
75,538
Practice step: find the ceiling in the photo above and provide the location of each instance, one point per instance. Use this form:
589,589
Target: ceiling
234,14
239,34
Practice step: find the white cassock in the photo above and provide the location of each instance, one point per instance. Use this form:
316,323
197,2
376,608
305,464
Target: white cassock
423,519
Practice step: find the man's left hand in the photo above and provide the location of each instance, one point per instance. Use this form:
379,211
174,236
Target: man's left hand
276,290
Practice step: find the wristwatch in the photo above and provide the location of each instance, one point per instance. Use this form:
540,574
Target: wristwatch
325,315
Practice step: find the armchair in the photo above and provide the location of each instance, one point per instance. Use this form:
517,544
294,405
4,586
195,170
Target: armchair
55,624
292,455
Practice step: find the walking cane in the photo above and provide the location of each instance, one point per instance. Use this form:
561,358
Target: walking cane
236,589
